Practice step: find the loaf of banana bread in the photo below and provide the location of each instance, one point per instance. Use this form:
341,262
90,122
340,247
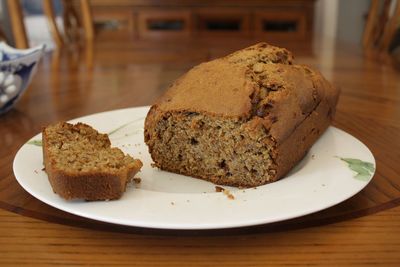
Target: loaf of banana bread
81,164
242,120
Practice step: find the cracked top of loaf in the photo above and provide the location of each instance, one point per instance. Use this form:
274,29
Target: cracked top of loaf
260,83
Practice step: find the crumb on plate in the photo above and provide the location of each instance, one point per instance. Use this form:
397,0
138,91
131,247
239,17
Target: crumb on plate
225,191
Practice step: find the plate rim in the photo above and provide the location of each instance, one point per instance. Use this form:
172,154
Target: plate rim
180,226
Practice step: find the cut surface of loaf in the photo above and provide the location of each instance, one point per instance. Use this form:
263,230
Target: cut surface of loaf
81,164
242,120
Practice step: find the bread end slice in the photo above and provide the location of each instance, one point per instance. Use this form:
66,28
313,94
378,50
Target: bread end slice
81,164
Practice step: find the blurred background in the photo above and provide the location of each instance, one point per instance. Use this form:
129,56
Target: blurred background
296,24
139,47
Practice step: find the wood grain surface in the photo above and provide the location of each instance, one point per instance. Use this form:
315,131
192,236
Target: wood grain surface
372,240
108,76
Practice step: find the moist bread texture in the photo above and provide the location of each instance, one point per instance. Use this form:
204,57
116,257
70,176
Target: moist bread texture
242,120
81,164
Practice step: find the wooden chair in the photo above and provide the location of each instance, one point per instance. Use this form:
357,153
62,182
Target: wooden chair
71,19
381,26
17,24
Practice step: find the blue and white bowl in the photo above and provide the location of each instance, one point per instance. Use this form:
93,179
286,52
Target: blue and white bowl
17,67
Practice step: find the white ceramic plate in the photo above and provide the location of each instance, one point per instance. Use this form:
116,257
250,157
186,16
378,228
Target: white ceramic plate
170,201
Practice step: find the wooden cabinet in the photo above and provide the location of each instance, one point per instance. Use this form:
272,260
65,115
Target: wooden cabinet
171,23
222,22
114,23
289,20
280,24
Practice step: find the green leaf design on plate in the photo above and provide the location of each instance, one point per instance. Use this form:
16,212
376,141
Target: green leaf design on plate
119,128
123,126
35,142
363,169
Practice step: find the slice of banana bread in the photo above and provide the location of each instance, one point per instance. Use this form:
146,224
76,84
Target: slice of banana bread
242,120
81,164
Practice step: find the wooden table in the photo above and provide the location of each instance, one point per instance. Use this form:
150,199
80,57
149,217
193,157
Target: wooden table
362,230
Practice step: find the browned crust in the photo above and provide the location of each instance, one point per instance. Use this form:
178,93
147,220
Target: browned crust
90,185
298,118
295,147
